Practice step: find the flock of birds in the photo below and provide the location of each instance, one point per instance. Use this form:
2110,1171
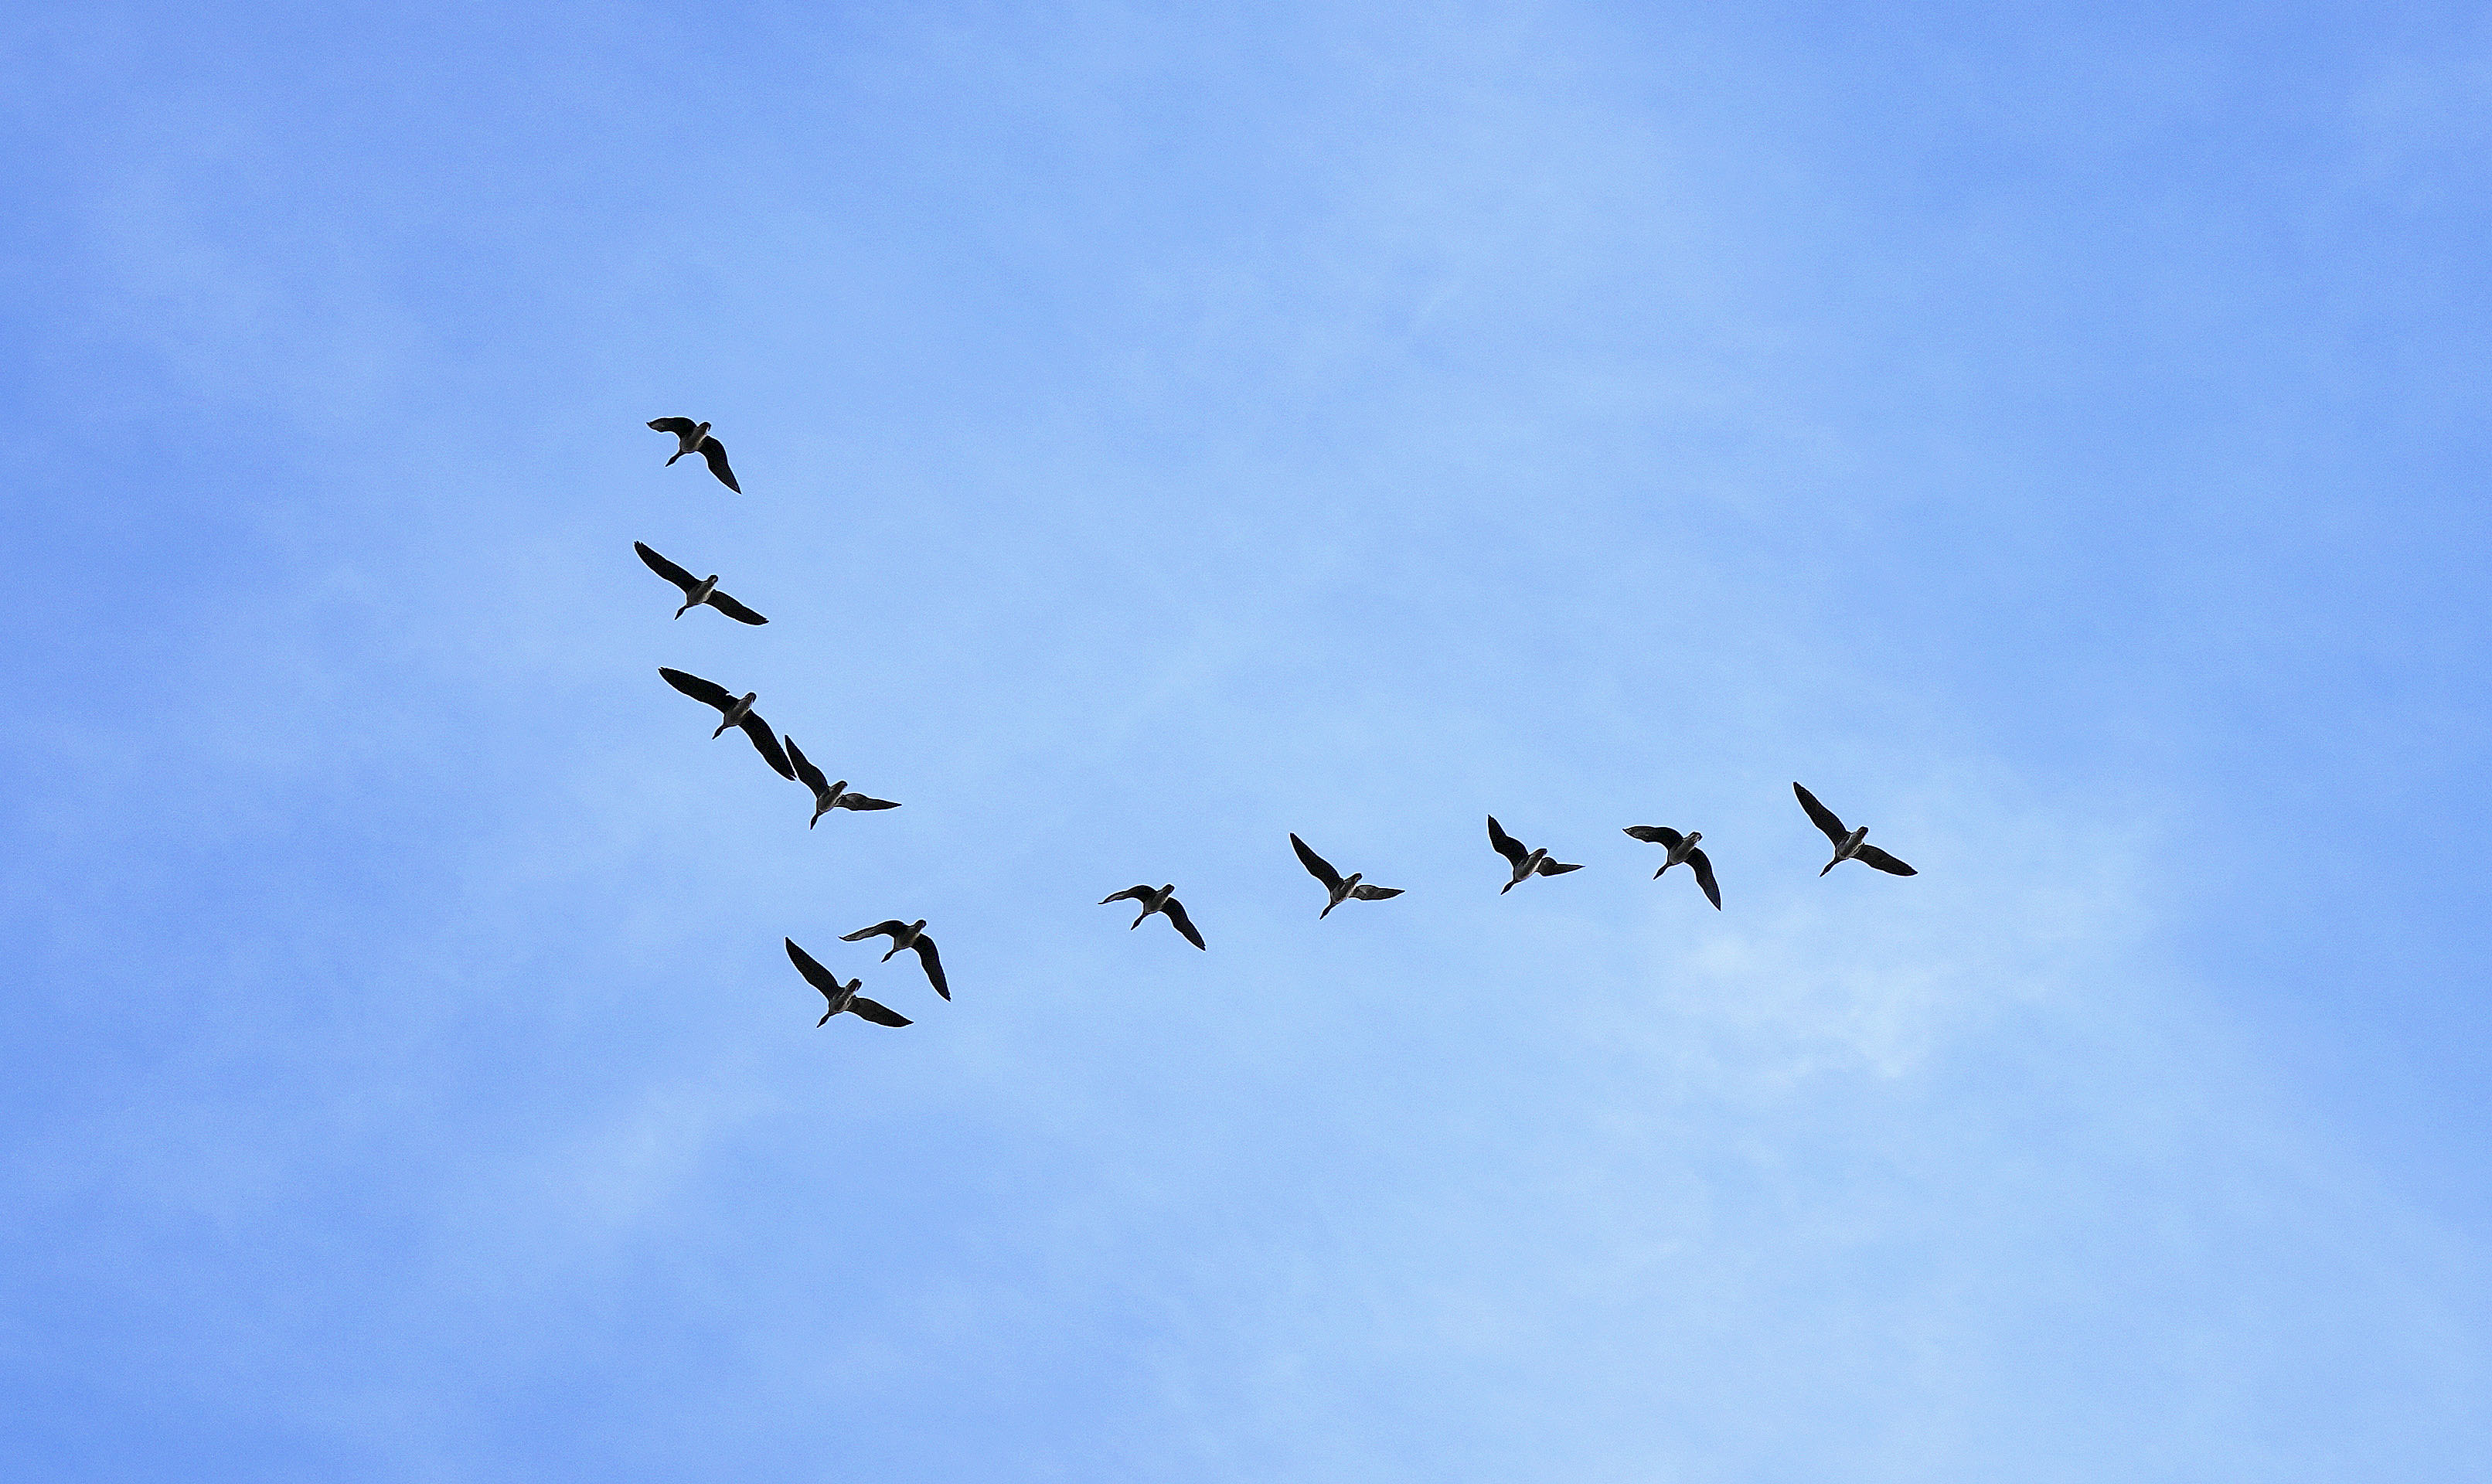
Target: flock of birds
789,761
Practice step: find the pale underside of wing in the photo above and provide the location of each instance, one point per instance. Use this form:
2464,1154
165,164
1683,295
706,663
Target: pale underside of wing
714,453
860,801
1129,893
927,956
1175,911
1820,815
1366,893
1556,867
1316,866
1656,835
891,926
881,1015
665,569
1507,844
734,609
678,426
1871,856
1703,870
709,693
806,773
766,743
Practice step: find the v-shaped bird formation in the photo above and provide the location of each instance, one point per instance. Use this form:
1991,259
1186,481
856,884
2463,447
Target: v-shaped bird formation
789,761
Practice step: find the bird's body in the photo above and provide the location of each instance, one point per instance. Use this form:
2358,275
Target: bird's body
1341,888
693,437
1683,851
1850,844
842,998
737,711
907,934
1526,863
827,796
1161,899
696,590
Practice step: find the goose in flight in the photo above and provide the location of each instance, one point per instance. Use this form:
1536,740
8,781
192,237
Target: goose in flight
696,590
827,796
1682,847
1342,888
1525,862
694,439
907,934
1848,845
1162,900
738,711
841,997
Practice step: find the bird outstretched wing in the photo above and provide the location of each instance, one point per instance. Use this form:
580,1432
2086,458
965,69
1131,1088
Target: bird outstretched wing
891,927
1871,856
734,609
714,453
1703,870
1507,844
677,426
1657,835
709,693
1175,911
806,773
1556,868
1366,893
815,973
1129,893
927,956
1823,816
881,1015
665,569
766,743
860,801
1316,866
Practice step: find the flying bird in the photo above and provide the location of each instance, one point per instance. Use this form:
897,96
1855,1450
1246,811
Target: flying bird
1162,900
907,934
1682,847
694,439
1525,862
1342,888
1848,845
841,997
696,590
738,711
827,796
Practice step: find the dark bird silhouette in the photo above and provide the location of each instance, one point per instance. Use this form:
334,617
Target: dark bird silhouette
841,997
696,590
1848,845
1525,862
1162,900
1682,847
694,439
907,934
827,796
1342,888
738,711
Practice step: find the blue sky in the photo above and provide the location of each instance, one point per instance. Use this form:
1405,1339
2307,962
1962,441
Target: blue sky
2054,434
